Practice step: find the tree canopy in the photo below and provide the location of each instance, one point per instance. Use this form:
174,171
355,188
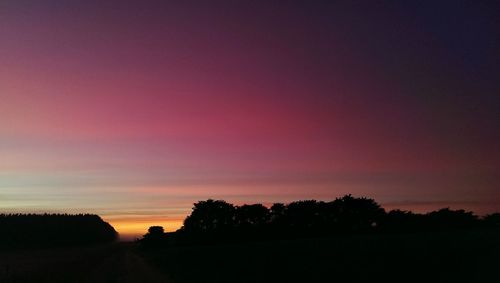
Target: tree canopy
48,230
213,221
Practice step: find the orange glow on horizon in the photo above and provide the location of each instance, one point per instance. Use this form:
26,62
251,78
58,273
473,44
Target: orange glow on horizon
132,228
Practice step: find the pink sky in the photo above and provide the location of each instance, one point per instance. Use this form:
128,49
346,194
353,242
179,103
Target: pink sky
134,111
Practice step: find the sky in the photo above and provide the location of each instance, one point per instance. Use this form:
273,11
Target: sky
135,110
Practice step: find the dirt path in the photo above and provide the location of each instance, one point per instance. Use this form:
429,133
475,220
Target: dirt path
124,266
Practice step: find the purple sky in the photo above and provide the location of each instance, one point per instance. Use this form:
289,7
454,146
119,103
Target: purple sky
136,110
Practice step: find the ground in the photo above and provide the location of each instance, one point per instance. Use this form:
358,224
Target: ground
114,263
469,256
460,256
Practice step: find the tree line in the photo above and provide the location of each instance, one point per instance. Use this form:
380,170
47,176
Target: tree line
213,221
50,230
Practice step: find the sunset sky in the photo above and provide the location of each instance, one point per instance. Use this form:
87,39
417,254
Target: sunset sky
136,110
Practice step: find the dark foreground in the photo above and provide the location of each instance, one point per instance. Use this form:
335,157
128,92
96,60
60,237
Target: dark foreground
472,256
110,263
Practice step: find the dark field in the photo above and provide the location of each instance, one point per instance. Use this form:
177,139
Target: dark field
472,256
110,263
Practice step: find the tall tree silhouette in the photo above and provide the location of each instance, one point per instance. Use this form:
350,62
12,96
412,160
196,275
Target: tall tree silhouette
252,215
210,216
355,214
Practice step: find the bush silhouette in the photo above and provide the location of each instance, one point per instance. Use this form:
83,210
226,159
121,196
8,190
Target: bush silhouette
446,219
402,221
156,236
492,220
48,230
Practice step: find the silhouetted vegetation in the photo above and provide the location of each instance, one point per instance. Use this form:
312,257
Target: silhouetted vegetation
155,237
492,220
348,239
444,256
216,221
50,230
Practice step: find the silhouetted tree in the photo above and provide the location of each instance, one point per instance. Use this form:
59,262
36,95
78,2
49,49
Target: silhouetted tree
218,221
155,232
446,219
402,221
354,214
47,230
303,215
277,221
156,236
277,211
252,215
210,216
492,220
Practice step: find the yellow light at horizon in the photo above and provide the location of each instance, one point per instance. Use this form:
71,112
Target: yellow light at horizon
130,228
